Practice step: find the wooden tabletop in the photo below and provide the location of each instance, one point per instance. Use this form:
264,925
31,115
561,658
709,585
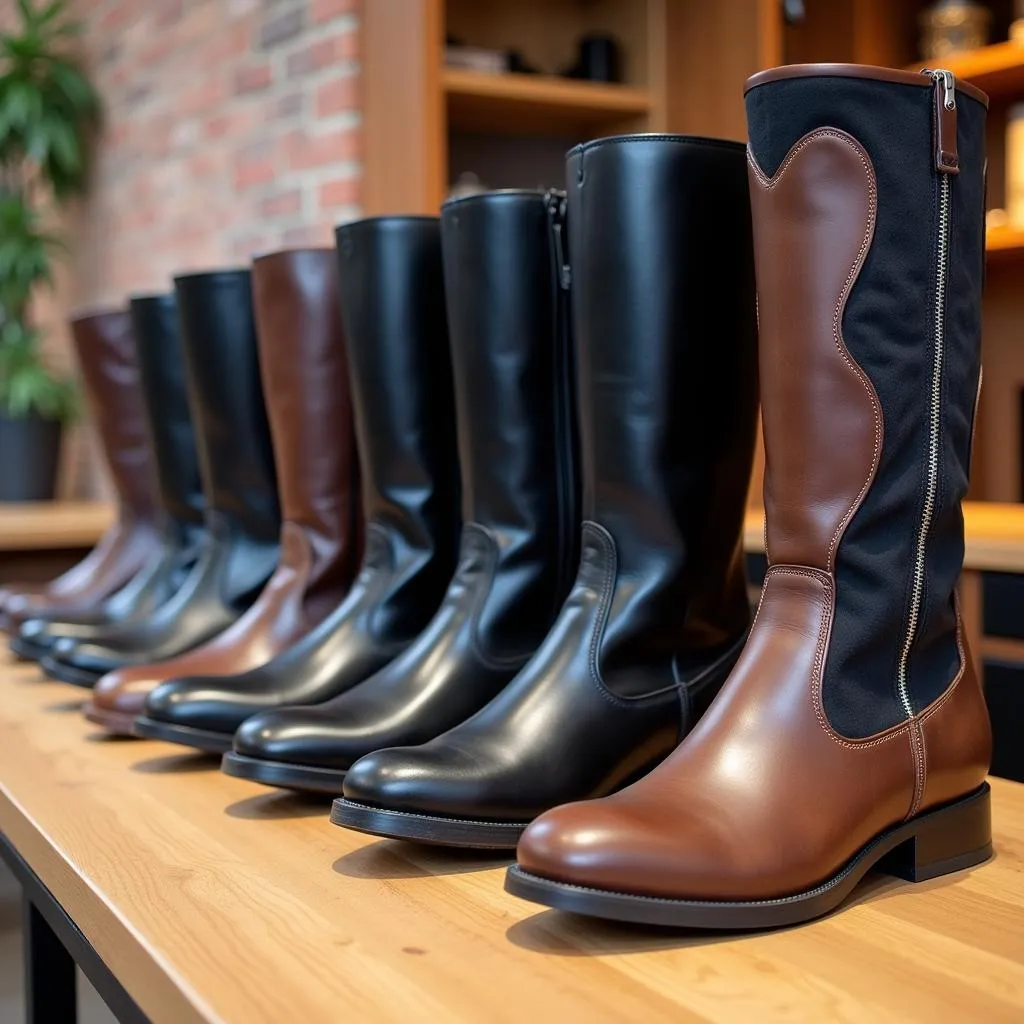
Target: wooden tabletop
49,525
214,899
994,534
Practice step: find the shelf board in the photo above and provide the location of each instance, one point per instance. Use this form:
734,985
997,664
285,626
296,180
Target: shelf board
1004,242
537,104
53,525
997,69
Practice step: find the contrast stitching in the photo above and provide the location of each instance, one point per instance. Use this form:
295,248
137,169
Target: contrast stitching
920,755
837,318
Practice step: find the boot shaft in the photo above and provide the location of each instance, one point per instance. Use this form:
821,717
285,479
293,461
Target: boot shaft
868,199
165,393
513,391
305,381
236,457
396,335
665,327
106,354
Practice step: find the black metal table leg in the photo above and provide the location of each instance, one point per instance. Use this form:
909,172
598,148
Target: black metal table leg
54,944
50,996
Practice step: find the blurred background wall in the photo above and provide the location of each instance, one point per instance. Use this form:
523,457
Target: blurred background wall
232,127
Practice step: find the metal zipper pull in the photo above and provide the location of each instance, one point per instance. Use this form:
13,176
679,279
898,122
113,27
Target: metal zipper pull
947,159
556,204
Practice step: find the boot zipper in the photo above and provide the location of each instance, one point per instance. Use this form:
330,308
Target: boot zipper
947,164
564,433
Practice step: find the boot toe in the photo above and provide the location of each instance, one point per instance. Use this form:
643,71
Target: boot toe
599,844
292,736
198,704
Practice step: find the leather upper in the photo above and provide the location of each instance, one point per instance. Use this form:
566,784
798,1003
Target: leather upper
396,335
239,548
106,356
663,302
305,382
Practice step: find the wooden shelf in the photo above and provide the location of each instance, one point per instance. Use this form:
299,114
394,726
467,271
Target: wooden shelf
541,104
997,69
1005,242
51,525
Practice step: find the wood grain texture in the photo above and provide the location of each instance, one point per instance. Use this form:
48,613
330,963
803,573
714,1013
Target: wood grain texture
997,69
39,526
214,899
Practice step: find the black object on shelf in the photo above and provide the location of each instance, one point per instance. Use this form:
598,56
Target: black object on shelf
29,452
598,60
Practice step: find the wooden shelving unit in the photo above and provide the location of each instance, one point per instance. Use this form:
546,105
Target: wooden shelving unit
997,69
537,104
1005,242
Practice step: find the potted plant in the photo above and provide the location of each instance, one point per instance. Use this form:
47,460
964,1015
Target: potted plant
48,114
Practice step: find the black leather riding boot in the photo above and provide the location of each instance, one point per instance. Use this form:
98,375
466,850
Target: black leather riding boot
664,314
392,300
514,413
165,401
240,549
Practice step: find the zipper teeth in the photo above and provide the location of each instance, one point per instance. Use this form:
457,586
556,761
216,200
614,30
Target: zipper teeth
934,425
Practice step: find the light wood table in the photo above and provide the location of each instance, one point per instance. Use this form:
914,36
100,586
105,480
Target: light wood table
994,542
212,899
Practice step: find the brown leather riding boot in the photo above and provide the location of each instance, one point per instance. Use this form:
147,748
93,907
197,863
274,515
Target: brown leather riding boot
852,732
305,381
106,355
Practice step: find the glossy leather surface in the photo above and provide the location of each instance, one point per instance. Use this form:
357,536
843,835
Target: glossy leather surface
766,798
106,355
511,366
165,402
663,297
392,301
239,549
305,381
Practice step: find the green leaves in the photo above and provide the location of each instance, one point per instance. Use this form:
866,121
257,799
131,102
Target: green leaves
48,113
26,384
48,108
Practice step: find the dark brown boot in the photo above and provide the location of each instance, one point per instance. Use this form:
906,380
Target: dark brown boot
106,355
852,733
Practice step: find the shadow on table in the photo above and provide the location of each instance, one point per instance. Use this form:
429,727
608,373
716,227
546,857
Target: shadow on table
562,933
277,806
396,858
67,705
195,761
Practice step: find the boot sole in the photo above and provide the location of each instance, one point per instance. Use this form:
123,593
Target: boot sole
26,650
280,774
69,673
949,838
186,736
119,723
426,828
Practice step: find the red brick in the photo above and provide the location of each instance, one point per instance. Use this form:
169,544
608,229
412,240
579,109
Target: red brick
343,46
283,204
337,96
207,95
260,173
340,192
310,234
231,124
306,151
253,78
324,10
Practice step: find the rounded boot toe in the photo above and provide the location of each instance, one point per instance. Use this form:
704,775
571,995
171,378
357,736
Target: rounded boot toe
401,779
197,704
291,736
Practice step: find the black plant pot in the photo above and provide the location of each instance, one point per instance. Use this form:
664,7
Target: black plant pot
29,450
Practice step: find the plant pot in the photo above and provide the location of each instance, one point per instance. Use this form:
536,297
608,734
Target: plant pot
29,451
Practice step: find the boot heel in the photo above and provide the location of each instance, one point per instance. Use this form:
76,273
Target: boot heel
950,838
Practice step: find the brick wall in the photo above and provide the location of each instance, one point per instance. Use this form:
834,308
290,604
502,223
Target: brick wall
232,128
